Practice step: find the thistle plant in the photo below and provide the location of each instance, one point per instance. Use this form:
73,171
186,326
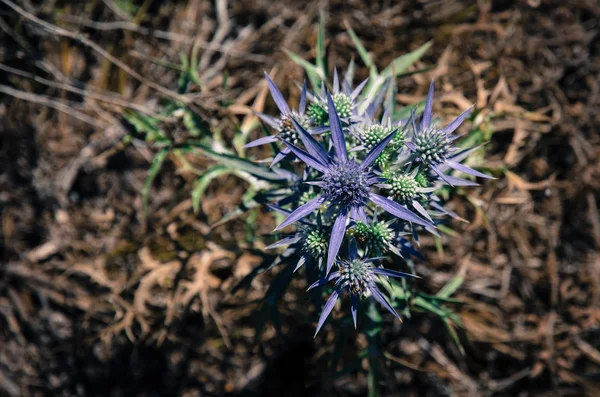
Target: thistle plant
354,181
365,181
345,183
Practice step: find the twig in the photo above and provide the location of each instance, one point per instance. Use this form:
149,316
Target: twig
163,35
9,31
43,100
87,92
220,34
89,43
110,4
9,387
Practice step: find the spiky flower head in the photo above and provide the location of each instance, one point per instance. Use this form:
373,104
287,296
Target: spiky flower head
343,104
306,197
315,243
286,127
379,238
422,179
376,236
318,114
403,187
432,146
345,183
373,134
356,277
361,231
344,98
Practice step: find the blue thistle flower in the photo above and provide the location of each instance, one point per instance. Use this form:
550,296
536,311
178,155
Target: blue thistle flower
376,236
345,183
284,125
432,146
310,240
405,188
356,277
370,133
344,99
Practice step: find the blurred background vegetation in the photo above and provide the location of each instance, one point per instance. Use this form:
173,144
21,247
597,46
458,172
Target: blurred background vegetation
123,248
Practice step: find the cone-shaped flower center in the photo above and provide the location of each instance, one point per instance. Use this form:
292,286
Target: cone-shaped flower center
318,114
431,146
343,105
421,179
345,184
306,197
379,238
376,236
403,187
373,135
355,276
315,243
288,132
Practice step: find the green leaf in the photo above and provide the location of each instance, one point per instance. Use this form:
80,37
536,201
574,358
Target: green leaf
194,123
451,287
400,64
452,330
193,69
404,113
424,304
189,69
202,183
446,230
128,6
320,59
241,164
184,76
362,51
148,125
315,75
373,379
155,167
439,246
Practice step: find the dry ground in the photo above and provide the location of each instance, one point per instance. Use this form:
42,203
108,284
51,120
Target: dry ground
94,300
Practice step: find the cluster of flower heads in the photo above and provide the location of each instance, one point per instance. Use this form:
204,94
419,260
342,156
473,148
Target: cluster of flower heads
368,182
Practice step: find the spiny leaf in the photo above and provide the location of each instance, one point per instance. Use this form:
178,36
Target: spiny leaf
148,125
194,123
241,164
